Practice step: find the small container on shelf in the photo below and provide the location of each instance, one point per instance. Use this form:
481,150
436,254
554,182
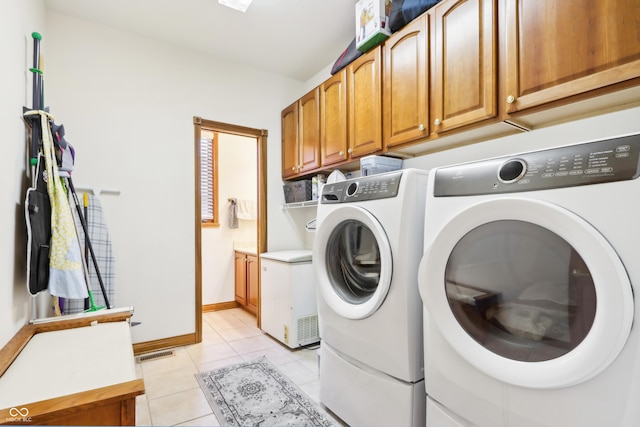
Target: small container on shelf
372,165
297,191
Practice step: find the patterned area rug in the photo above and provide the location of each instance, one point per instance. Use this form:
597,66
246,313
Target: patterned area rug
255,393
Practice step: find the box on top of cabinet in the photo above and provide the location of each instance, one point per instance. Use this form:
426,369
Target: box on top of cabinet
372,23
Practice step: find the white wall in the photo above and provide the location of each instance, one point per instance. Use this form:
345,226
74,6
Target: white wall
18,19
127,103
238,177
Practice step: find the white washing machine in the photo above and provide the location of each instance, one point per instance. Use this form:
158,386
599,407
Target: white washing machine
289,310
528,281
366,253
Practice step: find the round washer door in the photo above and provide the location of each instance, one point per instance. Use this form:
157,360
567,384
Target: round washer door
353,262
527,292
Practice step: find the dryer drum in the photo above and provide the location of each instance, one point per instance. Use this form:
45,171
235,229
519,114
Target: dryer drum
355,262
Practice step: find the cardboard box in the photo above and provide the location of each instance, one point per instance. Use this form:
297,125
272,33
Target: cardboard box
371,165
372,23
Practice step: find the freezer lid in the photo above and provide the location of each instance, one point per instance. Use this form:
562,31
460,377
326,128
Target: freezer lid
291,256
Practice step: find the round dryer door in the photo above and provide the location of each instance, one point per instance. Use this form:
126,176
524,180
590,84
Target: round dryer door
353,254
532,294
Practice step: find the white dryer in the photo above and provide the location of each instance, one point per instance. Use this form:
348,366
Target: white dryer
528,281
367,248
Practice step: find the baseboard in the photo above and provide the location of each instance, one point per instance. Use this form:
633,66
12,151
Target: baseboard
188,339
180,340
220,306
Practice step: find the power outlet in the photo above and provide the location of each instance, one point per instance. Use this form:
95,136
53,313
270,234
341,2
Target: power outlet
286,334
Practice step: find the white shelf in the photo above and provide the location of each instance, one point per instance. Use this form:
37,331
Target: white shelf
296,205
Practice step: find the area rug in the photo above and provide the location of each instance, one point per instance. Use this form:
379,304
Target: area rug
256,393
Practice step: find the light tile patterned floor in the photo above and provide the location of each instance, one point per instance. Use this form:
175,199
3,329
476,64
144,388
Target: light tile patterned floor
173,397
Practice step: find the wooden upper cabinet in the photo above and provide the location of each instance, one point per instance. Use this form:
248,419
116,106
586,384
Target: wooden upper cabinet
309,131
301,135
406,83
334,133
364,83
351,110
290,140
556,49
465,63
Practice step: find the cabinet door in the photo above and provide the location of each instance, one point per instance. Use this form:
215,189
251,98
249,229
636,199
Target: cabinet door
252,283
240,278
333,119
290,140
465,63
309,131
406,89
556,49
365,103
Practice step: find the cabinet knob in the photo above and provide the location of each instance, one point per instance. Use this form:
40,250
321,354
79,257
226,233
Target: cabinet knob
341,153
350,150
420,126
511,99
293,168
437,122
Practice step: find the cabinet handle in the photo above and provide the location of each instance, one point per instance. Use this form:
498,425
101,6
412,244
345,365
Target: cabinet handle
421,127
341,153
511,99
350,150
437,122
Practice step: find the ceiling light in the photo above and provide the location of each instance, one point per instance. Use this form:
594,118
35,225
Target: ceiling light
241,5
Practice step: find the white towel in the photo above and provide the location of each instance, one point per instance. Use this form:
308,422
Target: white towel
247,210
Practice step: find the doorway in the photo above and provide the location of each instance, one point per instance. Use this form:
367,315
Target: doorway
260,136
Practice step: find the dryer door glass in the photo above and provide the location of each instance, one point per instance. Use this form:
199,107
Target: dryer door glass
520,290
353,261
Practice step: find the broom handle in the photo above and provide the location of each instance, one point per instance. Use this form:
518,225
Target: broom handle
37,96
88,303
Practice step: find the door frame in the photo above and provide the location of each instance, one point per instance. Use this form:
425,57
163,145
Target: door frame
261,146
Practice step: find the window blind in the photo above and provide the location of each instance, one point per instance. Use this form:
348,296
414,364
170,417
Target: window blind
206,179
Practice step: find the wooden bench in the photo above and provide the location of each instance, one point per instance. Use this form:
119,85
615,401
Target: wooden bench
76,370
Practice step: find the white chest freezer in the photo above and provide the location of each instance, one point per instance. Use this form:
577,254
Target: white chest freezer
288,288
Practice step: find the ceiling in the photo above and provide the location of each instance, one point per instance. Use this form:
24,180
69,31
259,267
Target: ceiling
294,38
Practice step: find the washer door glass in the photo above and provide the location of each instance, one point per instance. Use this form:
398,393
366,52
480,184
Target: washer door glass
353,262
527,292
520,290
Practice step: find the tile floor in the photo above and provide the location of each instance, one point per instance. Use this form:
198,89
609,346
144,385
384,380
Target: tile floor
173,397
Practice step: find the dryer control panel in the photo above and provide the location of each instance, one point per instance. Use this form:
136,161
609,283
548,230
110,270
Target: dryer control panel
372,187
610,160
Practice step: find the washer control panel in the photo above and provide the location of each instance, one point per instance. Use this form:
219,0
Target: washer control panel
610,160
372,187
